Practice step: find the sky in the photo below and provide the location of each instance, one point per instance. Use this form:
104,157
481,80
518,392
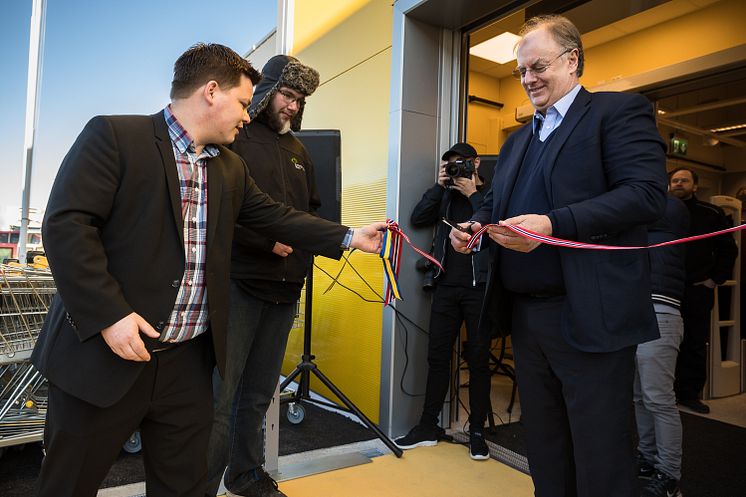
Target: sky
101,57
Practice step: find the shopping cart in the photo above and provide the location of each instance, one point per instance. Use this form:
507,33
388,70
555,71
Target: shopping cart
25,295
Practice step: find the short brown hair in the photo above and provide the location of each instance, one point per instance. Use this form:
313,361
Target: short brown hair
209,61
695,176
564,32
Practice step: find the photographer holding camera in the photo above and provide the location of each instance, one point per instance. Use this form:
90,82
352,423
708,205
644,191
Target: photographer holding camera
457,297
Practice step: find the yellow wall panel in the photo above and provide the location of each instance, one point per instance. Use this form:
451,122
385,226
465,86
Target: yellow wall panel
353,58
483,121
319,17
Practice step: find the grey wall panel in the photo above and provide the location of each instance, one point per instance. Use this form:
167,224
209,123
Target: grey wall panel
414,132
421,68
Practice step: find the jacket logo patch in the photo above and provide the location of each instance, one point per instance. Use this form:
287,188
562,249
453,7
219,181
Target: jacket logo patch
297,164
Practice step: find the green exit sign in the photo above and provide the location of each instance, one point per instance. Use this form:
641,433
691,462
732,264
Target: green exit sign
679,145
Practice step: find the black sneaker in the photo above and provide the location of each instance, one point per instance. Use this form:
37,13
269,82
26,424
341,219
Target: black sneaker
264,486
645,468
695,405
661,485
478,449
420,436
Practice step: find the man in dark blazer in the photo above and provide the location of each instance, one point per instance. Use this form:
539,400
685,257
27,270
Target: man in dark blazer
591,167
138,231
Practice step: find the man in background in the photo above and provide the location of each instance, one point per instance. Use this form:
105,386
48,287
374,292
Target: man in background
457,298
658,421
266,280
709,262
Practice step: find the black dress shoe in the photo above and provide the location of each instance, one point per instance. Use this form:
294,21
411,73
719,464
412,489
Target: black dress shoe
695,405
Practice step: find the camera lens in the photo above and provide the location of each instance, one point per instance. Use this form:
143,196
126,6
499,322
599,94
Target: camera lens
452,168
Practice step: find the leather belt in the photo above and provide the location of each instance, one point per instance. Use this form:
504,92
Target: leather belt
166,346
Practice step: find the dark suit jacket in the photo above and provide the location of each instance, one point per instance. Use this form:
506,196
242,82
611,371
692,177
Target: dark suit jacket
606,181
113,235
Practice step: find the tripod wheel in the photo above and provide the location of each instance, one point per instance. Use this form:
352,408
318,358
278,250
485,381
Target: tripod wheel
296,413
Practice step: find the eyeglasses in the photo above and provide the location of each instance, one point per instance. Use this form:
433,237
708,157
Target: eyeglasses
520,72
290,98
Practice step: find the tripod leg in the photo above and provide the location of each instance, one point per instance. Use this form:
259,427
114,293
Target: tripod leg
367,422
512,397
289,379
296,396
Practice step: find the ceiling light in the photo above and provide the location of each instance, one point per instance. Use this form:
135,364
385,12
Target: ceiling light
500,49
728,128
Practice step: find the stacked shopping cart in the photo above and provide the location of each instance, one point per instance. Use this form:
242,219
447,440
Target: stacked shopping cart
25,295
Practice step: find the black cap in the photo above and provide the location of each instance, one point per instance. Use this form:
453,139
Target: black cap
461,149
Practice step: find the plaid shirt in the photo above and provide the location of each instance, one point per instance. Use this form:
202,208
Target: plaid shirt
189,317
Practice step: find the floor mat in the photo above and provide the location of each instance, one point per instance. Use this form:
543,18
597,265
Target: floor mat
19,468
713,463
320,428
713,455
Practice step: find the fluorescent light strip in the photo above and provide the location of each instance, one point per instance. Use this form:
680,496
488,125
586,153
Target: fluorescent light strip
728,128
500,49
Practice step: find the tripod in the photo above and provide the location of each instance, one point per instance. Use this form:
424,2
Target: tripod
307,366
504,369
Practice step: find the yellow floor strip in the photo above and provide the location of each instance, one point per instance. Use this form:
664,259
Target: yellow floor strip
442,471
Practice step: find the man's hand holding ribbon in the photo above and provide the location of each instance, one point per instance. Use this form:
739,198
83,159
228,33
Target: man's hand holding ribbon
460,236
502,235
511,240
368,238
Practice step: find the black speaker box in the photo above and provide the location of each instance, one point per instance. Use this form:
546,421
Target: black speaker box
324,147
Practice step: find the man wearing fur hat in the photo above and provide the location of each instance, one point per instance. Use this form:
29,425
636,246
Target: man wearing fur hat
266,280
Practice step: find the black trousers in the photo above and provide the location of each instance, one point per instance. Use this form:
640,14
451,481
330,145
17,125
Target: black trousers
691,367
171,403
451,306
576,408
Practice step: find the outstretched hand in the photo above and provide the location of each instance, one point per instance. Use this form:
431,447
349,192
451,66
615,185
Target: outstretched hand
369,238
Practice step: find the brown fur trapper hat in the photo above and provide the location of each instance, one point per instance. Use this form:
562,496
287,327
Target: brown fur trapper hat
287,71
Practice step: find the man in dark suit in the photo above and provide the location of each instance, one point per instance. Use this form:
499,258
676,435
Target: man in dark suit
709,263
138,231
591,167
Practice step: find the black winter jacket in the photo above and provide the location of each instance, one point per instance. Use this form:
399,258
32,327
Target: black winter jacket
667,263
437,203
714,257
282,168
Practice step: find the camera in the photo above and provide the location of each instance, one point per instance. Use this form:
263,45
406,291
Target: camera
428,270
460,168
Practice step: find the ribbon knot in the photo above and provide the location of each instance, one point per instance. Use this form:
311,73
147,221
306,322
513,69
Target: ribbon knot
391,256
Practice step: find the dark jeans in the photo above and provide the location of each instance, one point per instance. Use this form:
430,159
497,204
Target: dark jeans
171,403
576,407
257,337
451,306
691,367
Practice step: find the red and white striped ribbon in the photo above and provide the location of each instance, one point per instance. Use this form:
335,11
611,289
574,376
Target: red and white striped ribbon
559,242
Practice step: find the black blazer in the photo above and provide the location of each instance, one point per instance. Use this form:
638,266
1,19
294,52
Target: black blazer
113,235
606,181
